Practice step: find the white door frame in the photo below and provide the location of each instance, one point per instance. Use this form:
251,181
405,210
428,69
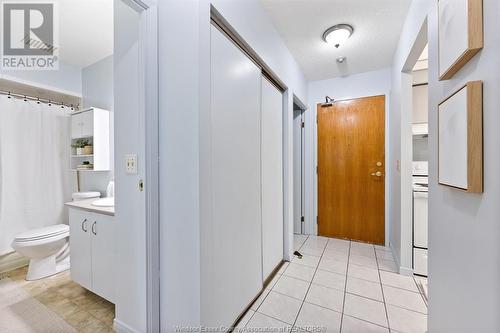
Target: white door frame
148,63
406,256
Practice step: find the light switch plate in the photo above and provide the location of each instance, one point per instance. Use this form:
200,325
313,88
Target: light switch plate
131,164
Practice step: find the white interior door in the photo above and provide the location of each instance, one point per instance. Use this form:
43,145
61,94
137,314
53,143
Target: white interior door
272,177
235,252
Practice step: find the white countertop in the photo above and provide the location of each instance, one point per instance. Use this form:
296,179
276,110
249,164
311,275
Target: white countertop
87,205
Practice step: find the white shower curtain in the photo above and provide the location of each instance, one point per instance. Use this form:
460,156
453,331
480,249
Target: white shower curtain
35,180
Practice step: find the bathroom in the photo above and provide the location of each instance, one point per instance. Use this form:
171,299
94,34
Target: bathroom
57,179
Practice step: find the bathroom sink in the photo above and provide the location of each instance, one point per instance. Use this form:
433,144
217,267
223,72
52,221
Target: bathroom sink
104,202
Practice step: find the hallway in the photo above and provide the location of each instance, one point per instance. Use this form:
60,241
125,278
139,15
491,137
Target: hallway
339,286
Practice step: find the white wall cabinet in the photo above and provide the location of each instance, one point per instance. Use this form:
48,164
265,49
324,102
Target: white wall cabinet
92,251
93,125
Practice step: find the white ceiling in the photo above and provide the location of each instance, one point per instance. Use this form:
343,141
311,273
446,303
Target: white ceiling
377,27
85,31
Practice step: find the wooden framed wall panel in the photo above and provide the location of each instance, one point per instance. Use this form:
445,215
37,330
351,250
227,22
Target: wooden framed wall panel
460,34
460,123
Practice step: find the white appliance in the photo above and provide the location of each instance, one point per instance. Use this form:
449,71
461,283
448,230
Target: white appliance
420,217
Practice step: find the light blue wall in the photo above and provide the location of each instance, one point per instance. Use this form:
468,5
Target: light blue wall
97,91
97,84
67,77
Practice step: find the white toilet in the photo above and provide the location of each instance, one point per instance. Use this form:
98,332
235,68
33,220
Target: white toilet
47,247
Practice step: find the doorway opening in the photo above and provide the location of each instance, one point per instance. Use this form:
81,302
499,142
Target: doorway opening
414,162
298,169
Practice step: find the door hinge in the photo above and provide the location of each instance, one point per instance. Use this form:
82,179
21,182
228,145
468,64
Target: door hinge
316,169
317,220
302,219
303,124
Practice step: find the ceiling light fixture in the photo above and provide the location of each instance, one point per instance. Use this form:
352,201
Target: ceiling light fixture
340,60
338,34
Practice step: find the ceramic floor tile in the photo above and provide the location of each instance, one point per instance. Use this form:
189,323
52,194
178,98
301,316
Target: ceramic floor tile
336,254
332,299
404,299
280,307
329,279
315,250
262,323
313,318
360,251
387,265
364,273
353,325
359,245
406,321
398,281
301,272
364,288
244,320
365,309
283,267
333,265
307,260
292,287
259,300
363,261
385,255
273,281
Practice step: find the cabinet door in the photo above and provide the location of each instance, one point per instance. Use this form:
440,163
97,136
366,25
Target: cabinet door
79,239
87,123
76,125
103,247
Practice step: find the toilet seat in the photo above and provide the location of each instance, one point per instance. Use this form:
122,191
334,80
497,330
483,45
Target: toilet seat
50,232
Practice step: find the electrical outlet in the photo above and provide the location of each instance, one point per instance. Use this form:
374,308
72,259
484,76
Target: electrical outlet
131,164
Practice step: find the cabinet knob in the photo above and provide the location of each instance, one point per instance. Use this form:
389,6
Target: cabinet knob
84,225
94,231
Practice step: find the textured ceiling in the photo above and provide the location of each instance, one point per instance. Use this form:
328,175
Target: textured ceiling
377,27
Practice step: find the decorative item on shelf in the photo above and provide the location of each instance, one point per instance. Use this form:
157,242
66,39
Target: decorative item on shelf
460,34
88,149
86,165
79,145
460,135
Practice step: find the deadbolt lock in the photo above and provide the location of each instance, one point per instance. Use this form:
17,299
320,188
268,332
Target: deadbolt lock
379,164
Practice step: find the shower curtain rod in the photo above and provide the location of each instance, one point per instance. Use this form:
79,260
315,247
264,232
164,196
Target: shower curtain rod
38,100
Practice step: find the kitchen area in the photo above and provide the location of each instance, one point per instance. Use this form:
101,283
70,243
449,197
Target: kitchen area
420,175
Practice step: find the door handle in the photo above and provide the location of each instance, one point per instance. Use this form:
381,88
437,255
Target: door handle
377,174
84,225
94,228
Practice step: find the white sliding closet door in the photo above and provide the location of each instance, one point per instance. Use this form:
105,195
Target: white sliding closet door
272,177
235,252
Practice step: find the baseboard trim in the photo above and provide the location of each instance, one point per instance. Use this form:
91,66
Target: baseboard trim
12,261
121,327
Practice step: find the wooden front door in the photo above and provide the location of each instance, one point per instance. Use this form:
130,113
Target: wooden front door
351,169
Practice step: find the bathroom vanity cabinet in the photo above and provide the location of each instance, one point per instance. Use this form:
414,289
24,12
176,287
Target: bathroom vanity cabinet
92,251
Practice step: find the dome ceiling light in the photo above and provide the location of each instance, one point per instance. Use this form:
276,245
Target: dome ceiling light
338,34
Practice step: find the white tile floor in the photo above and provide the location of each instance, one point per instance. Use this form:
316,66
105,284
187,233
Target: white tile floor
339,286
